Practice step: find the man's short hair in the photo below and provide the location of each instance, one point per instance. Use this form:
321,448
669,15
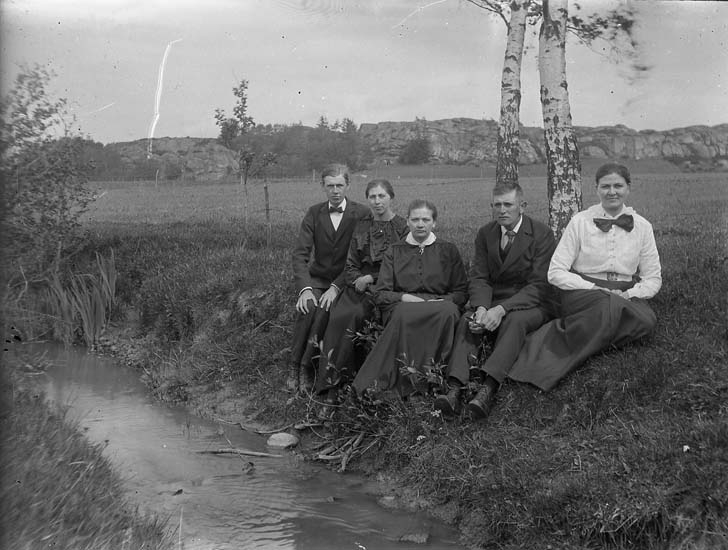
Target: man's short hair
333,170
504,188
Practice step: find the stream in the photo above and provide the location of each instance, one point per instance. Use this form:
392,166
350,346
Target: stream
223,501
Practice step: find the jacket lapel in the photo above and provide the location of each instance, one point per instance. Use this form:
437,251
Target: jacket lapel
520,243
347,218
325,219
492,242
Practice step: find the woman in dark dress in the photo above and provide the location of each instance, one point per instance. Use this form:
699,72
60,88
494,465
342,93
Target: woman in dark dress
606,266
373,234
421,289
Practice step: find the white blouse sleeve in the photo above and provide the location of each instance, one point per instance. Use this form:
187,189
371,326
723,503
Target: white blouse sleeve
650,270
567,250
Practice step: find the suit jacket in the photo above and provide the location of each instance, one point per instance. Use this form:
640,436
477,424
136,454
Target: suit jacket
319,255
520,280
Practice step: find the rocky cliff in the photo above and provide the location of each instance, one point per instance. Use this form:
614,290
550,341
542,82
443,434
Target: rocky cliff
471,141
178,158
453,141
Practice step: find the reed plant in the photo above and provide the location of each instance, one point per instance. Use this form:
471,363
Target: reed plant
84,303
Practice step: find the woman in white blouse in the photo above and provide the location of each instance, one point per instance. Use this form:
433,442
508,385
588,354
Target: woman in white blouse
606,265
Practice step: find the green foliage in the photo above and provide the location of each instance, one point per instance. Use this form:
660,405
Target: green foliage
44,179
84,304
232,128
58,490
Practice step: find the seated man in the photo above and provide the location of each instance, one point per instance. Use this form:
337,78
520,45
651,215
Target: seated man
510,294
319,258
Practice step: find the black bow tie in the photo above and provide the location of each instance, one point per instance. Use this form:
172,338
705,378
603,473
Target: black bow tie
625,221
333,209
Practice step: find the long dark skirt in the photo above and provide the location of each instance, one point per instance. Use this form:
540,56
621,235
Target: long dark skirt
339,361
592,320
416,333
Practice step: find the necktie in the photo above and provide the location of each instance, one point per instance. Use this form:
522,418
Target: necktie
510,235
337,209
625,221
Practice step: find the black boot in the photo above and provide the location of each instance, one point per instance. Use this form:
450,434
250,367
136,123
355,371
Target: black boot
480,405
449,403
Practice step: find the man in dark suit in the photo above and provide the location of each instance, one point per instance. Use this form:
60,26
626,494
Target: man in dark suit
319,258
511,297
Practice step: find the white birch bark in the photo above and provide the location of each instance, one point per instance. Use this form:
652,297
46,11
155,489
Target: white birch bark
562,152
508,131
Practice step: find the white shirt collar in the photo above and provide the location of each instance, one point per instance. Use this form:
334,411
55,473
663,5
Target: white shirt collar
625,210
515,227
409,239
342,204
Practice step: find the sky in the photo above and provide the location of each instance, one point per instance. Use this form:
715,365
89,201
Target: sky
368,60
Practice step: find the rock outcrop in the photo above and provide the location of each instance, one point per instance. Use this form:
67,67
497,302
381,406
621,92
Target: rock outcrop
453,141
471,141
184,158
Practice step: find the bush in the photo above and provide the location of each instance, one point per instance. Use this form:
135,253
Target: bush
44,176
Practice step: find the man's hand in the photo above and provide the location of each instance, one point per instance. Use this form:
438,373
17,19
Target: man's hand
475,324
411,298
328,297
493,317
361,283
302,303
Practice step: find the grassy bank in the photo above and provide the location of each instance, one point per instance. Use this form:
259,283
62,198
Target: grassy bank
59,490
628,452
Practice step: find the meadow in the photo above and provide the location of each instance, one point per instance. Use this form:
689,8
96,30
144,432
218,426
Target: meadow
631,451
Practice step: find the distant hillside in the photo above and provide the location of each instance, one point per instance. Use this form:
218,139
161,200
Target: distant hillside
463,141
471,141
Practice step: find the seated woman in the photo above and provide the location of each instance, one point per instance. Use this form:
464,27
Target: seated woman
606,266
373,234
421,289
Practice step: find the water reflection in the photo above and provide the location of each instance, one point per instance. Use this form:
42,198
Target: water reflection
222,501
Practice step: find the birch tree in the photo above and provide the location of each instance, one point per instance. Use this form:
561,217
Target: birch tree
613,27
514,14
563,168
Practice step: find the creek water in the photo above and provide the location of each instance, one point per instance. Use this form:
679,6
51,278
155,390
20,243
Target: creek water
222,501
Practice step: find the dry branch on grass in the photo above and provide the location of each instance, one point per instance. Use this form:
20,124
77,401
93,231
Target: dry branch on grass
231,450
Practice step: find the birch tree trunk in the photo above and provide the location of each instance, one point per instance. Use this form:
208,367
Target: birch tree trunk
562,152
509,147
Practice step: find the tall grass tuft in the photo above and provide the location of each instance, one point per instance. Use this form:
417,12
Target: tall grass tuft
84,303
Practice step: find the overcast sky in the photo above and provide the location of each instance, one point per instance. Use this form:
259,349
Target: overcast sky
369,60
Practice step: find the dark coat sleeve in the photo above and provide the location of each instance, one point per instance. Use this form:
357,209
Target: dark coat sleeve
384,292
481,288
303,248
359,211
458,278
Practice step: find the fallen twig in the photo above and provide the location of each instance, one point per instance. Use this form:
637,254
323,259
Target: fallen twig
239,452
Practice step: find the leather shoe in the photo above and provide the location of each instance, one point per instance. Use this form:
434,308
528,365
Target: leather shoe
448,403
480,405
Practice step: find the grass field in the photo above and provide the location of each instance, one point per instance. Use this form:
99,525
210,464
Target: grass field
631,451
